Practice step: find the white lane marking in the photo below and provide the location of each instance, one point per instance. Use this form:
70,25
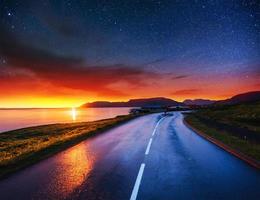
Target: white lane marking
141,170
154,131
148,146
151,139
137,182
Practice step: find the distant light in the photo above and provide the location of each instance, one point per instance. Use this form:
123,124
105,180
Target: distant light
9,14
73,114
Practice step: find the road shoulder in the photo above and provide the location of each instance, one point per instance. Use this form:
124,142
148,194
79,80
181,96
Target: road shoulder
220,144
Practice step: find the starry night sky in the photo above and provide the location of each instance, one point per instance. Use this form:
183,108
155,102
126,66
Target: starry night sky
76,51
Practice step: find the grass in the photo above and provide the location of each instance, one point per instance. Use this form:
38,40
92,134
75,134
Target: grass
23,147
236,126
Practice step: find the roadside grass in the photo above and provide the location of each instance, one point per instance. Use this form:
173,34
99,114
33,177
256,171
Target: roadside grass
226,123
23,147
245,115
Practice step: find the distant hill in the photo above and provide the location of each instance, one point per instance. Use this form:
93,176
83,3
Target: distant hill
148,102
242,98
198,102
161,101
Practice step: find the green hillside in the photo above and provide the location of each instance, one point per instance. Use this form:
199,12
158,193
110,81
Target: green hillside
235,125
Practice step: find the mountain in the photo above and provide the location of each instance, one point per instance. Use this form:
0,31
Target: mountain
148,102
242,98
161,101
158,101
198,102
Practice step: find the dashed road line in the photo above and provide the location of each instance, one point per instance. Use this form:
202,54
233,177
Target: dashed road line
148,146
137,182
154,131
141,170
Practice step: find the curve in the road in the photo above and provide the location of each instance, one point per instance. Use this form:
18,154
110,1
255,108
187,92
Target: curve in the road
147,158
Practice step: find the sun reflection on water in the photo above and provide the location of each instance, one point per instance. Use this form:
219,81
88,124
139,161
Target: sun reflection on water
74,114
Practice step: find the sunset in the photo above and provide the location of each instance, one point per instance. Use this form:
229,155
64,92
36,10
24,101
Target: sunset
65,54
130,99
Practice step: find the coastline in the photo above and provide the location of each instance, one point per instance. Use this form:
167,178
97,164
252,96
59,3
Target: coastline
31,158
252,162
12,119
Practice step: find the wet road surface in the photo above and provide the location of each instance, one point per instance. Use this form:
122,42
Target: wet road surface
147,158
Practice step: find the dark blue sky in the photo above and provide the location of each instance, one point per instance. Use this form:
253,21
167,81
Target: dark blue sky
198,39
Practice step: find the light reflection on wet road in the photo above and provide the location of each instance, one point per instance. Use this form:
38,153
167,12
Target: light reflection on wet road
178,165
72,169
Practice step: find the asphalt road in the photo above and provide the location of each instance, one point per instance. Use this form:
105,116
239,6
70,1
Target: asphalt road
147,158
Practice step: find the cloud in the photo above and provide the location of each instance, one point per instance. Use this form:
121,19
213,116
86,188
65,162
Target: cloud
257,85
180,76
17,52
28,64
95,79
156,61
186,92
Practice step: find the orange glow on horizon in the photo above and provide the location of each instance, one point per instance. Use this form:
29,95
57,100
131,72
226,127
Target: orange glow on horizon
23,97
73,103
75,88
38,102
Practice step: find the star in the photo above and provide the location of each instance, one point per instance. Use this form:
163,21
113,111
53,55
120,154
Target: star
3,61
203,38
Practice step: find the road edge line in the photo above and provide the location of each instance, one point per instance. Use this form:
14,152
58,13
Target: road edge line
250,161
